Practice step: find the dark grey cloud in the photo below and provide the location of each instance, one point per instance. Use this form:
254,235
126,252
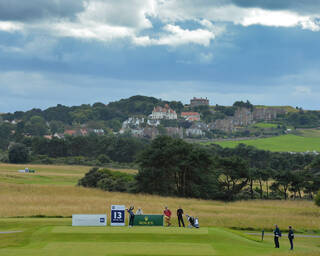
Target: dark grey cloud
300,6
29,10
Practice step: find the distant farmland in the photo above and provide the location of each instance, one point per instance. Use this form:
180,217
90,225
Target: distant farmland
284,143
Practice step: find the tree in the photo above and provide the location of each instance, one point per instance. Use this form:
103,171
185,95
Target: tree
18,153
176,168
317,198
56,127
36,126
233,175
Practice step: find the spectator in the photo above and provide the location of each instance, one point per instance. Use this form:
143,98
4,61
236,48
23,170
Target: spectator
167,216
291,237
277,234
139,211
180,216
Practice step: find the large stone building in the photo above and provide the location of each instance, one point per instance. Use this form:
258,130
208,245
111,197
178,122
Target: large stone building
199,102
163,113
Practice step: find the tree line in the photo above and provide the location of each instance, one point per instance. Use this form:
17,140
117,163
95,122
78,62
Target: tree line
173,167
121,149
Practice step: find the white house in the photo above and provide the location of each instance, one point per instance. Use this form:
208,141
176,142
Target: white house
163,113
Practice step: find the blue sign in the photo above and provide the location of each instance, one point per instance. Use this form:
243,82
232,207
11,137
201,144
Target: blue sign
118,215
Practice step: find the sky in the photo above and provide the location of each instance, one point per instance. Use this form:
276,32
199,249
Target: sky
75,52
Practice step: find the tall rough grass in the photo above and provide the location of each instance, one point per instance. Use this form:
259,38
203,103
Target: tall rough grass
51,200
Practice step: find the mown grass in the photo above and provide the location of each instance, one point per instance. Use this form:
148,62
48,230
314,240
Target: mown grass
51,237
46,174
284,143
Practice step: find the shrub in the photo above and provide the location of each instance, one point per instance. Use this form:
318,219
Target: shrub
317,198
108,180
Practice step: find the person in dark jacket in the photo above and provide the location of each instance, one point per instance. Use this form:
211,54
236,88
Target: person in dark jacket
291,237
180,218
131,218
277,234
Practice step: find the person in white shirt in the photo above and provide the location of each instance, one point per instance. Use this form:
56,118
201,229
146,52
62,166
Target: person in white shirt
139,211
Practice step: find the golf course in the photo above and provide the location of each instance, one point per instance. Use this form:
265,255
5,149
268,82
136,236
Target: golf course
49,236
36,209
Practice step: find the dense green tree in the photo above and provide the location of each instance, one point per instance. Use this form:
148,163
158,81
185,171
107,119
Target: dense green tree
233,175
36,126
18,153
56,127
317,198
173,167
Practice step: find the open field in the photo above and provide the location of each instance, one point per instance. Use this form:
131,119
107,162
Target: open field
311,133
222,224
46,174
50,237
284,143
265,125
51,200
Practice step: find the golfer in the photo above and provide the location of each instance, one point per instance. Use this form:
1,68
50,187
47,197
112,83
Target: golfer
180,218
167,216
277,234
131,216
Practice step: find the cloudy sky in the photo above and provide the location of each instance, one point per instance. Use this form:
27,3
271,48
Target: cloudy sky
84,51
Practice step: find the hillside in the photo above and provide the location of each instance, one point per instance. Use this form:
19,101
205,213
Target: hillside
117,131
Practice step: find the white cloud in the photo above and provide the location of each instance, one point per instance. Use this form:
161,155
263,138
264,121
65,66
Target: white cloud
132,20
221,11
10,26
302,90
92,30
278,19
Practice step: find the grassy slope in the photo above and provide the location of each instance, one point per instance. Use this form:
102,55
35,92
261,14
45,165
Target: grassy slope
283,143
56,237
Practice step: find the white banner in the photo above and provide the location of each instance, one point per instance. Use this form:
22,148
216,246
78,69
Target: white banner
117,215
89,220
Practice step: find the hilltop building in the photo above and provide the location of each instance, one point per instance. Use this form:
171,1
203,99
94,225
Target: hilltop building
199,102
191,116
163,113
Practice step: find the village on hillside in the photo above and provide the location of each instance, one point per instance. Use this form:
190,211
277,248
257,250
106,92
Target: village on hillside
198,120
165,120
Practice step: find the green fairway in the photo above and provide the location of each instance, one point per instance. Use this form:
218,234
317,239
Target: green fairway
46,174
284,143
50,237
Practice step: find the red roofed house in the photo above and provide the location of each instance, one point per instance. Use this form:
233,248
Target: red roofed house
191,116
70,132
163,113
